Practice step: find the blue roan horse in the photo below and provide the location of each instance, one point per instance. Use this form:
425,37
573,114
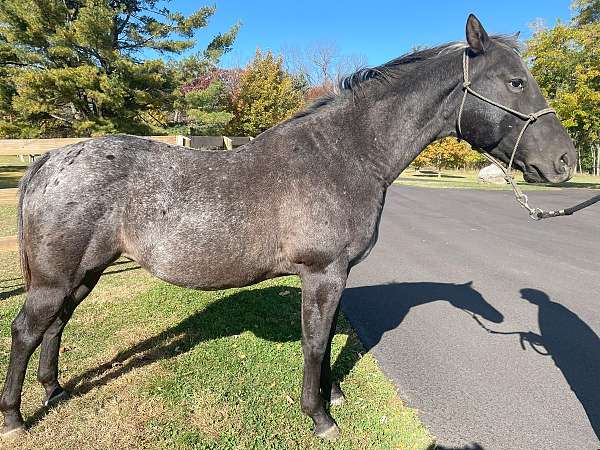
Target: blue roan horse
304,197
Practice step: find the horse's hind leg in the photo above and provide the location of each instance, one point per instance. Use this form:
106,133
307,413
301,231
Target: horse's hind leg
48,366
42,306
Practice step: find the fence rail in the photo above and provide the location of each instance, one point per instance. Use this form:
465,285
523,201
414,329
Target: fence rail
16,147
32,147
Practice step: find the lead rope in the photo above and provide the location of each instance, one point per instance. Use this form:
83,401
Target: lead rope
534,213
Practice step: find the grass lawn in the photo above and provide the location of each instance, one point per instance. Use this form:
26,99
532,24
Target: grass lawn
11,170
8,220
155,366
468,180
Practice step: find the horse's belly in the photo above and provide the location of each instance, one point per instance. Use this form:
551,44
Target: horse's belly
212,277
209,265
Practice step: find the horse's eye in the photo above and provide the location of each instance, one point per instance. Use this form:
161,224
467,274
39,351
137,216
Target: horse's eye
517,83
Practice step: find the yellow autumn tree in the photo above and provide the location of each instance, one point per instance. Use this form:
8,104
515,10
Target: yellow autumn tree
565,61
266,95
448,153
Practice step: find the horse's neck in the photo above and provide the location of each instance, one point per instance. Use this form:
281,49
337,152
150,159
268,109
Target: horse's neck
408,123
388,134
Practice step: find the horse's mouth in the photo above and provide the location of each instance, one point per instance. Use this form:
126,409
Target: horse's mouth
533,174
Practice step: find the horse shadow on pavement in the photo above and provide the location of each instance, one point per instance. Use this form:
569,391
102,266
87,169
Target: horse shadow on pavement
374,310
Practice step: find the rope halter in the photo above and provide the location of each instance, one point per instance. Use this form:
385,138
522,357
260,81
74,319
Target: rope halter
535,213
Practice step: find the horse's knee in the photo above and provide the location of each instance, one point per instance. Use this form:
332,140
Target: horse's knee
314,348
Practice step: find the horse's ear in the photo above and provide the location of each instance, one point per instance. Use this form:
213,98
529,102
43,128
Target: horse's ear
477,37
517,35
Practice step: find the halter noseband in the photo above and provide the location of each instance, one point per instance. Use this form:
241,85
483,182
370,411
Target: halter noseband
534,213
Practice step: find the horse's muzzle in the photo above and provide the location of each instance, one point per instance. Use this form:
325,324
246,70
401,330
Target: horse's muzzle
560,171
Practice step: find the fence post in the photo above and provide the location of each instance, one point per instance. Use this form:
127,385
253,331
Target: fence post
183,141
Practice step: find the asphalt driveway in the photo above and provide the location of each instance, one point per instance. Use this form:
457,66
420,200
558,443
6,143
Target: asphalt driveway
487,321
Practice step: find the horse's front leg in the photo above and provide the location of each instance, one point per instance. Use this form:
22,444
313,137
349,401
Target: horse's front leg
321,292
330,390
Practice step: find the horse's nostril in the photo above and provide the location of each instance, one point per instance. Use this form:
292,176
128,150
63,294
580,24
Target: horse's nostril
564,163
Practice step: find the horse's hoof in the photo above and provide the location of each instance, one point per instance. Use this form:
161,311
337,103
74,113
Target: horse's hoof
56,397
330,434
338,401
12,434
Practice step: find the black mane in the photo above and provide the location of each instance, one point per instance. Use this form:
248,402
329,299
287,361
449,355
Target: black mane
397,67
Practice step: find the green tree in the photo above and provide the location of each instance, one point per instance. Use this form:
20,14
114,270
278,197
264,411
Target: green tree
565,60
206,109
78,67
587,11
266,95
202,106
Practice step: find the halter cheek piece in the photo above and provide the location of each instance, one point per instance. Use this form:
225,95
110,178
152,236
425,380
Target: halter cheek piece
534,213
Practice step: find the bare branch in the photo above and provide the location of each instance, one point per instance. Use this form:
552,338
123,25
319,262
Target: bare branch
70,122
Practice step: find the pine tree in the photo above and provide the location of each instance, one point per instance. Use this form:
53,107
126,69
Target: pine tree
79,67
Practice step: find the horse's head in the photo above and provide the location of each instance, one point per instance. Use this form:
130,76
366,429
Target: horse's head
465,297
545,152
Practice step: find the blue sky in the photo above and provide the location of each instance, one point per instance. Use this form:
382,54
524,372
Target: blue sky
379,30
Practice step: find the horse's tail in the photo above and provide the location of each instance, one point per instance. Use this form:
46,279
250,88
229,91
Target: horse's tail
37,164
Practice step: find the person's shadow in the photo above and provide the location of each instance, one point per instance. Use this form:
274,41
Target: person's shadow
373,310
574,347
